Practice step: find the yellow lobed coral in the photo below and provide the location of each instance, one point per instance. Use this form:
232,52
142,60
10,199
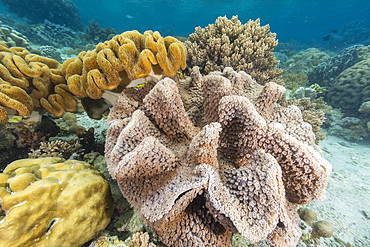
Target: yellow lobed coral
25,76
233,160
52,202
229,43
124,58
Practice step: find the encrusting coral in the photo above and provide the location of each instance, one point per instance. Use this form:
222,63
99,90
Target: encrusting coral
29,80
228,43
52,202
230,160
124,58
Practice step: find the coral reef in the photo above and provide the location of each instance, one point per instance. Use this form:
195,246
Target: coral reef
351,87
228,43
293,81
95,34
124,58
304,61
62,12
29,80
51,201
50,52
210,156
56,148
353,129
364,107
325,73
51,34
313,112
11,37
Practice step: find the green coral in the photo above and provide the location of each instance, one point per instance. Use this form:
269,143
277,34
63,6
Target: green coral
293,81
304,61
351,87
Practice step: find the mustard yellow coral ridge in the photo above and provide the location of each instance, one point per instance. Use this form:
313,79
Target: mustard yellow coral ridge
52,202
28,81
124,58
54,86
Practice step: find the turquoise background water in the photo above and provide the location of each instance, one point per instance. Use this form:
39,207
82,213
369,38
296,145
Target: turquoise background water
291,19
303,21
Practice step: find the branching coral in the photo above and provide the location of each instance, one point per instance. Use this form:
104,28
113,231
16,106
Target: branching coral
228,43
231,161
28,80
57,148
128,56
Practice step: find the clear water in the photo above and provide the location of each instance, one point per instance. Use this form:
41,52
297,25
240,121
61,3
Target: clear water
300,20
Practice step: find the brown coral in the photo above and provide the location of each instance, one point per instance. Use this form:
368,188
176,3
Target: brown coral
124,58
240,163
29,80
228,43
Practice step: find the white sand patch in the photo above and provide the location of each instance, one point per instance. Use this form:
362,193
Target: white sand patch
348,192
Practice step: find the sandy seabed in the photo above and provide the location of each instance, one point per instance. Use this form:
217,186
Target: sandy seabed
347,204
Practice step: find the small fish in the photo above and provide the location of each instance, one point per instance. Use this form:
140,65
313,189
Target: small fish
335,31
326,38
129,17
96,108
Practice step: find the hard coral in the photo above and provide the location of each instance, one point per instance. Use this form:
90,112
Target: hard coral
125,57
228,43
232,160
29,80
52,202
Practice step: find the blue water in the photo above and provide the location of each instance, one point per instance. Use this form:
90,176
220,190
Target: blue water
303,21
299,19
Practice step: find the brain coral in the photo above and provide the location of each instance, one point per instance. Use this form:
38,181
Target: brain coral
124,58
206,157
351,87
228,43
52,202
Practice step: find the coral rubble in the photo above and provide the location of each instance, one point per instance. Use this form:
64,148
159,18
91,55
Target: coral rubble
228,43
50,201
209,156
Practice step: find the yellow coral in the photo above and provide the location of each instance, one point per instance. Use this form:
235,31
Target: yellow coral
52,202
124,58
30,76
15,98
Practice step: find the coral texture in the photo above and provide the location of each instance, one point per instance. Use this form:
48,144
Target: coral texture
232,160
11,37
228,43
63,12
304,61
351,88
28,80
52,202
124,58
325,73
